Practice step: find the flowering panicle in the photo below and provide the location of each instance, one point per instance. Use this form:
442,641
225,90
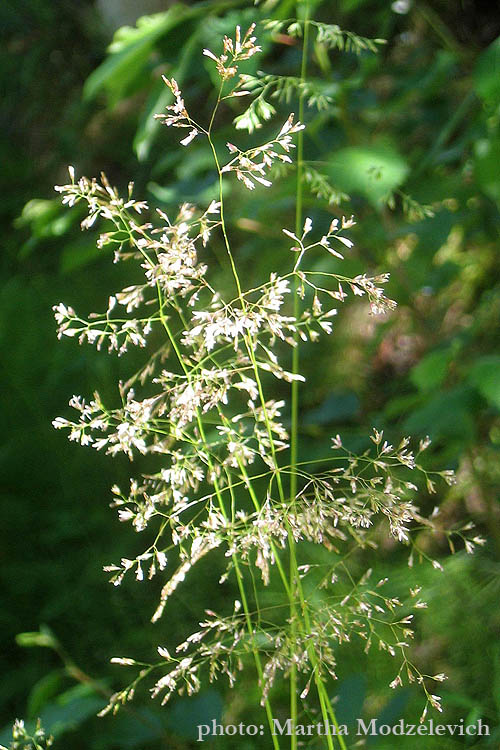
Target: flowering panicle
22,739
102,199
179,117
251,166
234,52
203,410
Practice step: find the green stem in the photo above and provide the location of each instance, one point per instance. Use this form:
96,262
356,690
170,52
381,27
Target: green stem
295,384
325,704
239,577
298,232
218,493
293,584
221,198
248,342
246,610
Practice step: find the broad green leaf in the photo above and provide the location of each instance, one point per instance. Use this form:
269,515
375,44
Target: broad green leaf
401,405
432,369
487,166
71,709
130,51
147,28
117,71
45,219
148,126
371,171
68,711
44,691
487,73
79,253
448,414
37,214
131,47
157,101
485,376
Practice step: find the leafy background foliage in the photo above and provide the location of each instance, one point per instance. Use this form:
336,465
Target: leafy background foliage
416,125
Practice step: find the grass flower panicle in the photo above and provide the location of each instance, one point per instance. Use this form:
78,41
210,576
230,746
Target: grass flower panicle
220,439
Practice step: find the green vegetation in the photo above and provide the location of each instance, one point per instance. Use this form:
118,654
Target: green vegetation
408,134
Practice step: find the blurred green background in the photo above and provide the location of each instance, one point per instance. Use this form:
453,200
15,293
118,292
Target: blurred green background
414,127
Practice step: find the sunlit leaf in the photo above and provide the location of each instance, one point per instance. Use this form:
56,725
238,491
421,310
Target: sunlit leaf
371,171
485,375
487,73
129,52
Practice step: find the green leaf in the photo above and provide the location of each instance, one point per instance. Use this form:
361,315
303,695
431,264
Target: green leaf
432,369
399,405
44,219
149,127
448,414
486,163
487,73
161,95
129,53
44,638
79,253
37,214
71,709
371,171
131,47
44,691
485,376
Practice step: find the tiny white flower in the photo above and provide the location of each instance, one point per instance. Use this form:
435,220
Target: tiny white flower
190,137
